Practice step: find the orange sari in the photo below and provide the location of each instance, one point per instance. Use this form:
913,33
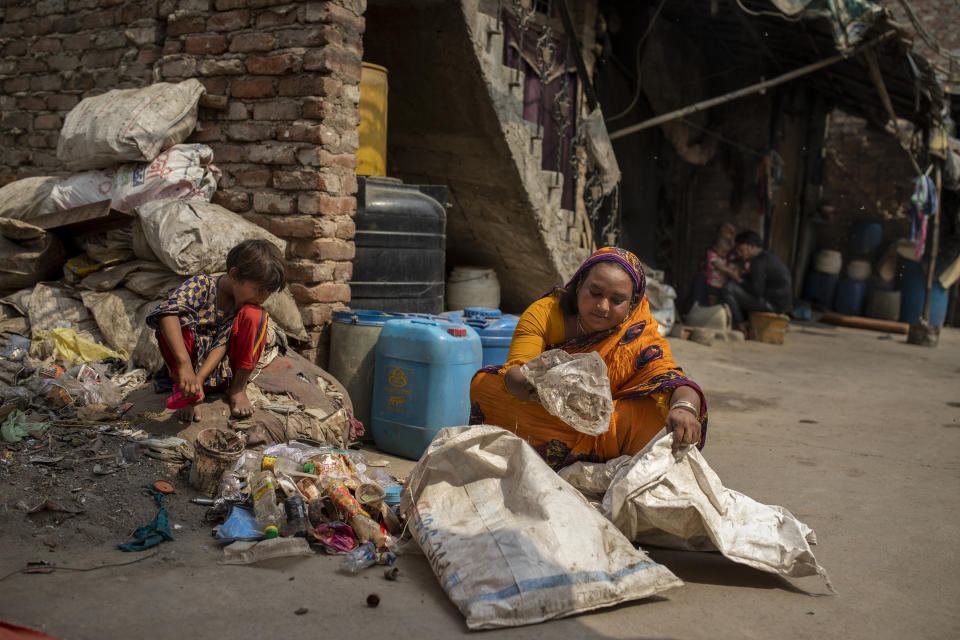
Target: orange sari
642,376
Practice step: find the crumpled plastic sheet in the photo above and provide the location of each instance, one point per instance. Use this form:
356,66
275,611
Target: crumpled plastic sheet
337,537
678,501
573,387
71,347
15,428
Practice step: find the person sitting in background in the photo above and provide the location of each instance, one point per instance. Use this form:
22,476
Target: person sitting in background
766,287
603,309
717,267
212,329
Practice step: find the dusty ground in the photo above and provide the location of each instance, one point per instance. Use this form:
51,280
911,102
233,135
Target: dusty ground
856,432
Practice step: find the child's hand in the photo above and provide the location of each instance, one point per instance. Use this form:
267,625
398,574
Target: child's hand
190,384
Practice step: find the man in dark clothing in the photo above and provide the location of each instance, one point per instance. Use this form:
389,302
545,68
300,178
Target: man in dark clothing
767,286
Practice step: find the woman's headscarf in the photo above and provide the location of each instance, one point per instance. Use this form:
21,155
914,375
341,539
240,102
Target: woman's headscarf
629,262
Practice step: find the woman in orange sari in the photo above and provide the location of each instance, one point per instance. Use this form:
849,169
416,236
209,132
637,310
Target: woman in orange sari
603,308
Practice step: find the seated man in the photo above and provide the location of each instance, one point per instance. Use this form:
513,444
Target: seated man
766,287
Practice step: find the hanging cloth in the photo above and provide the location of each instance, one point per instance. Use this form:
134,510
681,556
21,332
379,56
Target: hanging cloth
923,203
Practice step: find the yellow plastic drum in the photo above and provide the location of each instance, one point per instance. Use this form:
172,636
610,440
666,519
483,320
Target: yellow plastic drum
372,152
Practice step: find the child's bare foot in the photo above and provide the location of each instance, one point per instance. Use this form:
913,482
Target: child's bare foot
189,414
240,406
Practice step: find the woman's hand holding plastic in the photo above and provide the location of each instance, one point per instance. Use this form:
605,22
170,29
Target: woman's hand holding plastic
684,426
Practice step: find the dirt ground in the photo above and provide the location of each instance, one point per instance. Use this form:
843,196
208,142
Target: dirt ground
856,432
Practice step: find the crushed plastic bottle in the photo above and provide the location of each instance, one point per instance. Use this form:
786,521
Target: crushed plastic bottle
284,465
360,558
265,508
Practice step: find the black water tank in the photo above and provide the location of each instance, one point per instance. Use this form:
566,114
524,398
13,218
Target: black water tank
401,243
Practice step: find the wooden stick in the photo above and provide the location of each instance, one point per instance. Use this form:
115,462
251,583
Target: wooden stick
746,91
858,322
935,244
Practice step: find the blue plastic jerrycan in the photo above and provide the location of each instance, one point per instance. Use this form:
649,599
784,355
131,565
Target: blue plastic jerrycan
421,382
495,328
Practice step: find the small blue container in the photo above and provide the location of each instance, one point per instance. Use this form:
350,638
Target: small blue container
865,239
820,287
912,279
851,296
495,329
421,382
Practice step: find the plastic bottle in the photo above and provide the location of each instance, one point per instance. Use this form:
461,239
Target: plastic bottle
360,558
265,508
282,464
296,510
365,527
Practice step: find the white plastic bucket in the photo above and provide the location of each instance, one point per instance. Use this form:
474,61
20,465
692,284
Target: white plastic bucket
828,261
858,270
472,287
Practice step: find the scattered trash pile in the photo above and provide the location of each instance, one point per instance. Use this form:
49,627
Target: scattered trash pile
280,500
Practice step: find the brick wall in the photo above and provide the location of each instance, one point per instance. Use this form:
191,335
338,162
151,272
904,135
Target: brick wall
285,141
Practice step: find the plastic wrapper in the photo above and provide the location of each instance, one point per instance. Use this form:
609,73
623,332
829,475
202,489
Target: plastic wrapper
573,387
66,344
337,537
241,552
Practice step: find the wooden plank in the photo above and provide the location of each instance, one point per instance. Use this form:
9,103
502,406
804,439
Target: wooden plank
872,324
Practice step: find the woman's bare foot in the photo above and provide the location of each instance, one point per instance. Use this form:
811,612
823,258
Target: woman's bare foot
240,406
189,414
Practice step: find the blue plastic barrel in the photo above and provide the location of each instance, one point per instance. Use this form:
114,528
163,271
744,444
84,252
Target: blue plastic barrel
421,382
912,279
820,287
865,238
851,296
495,329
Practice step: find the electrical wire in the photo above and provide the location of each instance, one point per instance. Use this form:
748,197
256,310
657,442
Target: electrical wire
52,568
643,38
925,35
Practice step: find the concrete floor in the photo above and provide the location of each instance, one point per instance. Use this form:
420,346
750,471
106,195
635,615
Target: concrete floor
857,433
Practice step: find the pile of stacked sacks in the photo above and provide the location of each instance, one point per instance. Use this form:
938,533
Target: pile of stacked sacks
125,146
279,501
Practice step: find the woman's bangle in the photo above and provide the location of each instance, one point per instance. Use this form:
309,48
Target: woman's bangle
689,406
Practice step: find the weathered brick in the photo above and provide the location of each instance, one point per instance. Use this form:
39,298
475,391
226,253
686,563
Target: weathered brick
227,152
277,17
149,54
149,34
46,45
235,111
68,24
328,12
83,81
171,47
215,86
324,292
108,79
309,271
305,132
347,64
314,157
316,314
329,182
202,44
346,229
248,42
31,103
343,271
63,62
46,7
46,83
184,25
39,27
259,4
309,37
348,185
99,19
18,13
195,6
101,59
226,5
296,180
178,68
77,42
228,20
293,226
323,249
13,85
252,88
62,102
47,121
273,65
272,153
15,48
309,85
272,202
324,204
110,40
32,65
220,67
236,201
249,132
276,110
17,120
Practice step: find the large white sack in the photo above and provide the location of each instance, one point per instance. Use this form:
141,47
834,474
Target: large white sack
184,171
28,254
678,501
116,313
193,237
27,198
128,125
510,542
